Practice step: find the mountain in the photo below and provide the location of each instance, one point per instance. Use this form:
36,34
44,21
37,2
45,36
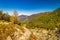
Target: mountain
23,18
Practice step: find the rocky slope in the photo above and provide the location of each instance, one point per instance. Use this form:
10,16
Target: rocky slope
10,31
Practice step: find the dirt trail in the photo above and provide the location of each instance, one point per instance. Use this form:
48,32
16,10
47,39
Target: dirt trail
26,35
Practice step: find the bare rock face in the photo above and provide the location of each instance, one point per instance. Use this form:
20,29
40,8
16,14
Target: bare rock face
9,38
15,36
13,32
44,35
18,35
58,33
26,35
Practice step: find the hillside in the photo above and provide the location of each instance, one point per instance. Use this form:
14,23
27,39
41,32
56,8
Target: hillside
48,20
41,26
12,29
23,18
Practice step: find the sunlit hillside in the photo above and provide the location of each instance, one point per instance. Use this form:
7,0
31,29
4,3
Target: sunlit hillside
41,26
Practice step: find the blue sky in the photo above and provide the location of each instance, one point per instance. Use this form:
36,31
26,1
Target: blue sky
28,7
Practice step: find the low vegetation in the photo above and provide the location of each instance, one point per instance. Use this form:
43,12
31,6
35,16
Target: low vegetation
40,22
47,20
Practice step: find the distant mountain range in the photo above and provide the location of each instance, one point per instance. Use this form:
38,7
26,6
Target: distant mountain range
27,18
23,18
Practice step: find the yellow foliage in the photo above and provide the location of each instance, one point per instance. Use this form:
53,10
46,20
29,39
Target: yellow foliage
12,19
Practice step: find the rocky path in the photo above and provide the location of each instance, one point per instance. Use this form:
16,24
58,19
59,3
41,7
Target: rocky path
26,35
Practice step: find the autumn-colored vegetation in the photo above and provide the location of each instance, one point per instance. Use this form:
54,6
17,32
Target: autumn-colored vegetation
8,18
